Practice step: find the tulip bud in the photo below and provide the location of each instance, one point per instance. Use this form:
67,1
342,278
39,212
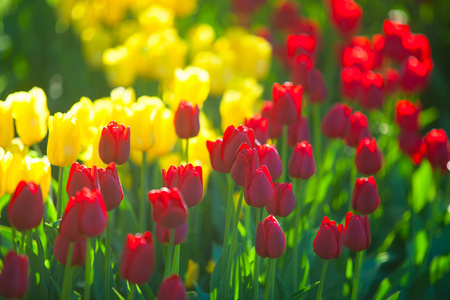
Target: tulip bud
79,177
317,88
188,180
138,258
268,156
217,163
63,140
356,232
246,159
274,129
270,240
258,187
259,124
114,143
328,242
358,130
283,201
298,131
85,216
187,122
365,197
110,186
169,208
438,149
346,15
287,102
61,251
26,207
407,114
14,276
372,90
336,122
368,157
232,140
162,234
302,164
172,288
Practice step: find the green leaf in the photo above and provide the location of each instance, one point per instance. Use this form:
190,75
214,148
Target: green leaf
4,200
147,291
423,189
428,116
421,245
383,289
394,296
439,266
118,294
303,291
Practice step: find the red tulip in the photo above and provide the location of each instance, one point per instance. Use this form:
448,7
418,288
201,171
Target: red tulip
79,177
368,157
417,45
26,207
316,87
346,15
61,251
437,149
285,16
372,90
259,124
378,50
169,208
328,242
302,164
187,122
188,180
351,82
283,201
301,69
268,156
298,131
233,138
359,57
287,102
407,114
411,143
162,234
85,216
258,187
392,77
110,186
270,240
301,44
356,232
217,163
336,123
395,33
172,288
14,276
274,129
358,130
246,7
138,258
114,143
246,160
414,74
365,197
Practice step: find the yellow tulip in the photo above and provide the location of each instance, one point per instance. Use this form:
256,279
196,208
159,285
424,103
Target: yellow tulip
63,140
219,67
136,43
15,172
103,111
253,56
156,17
39,171
191,84
83,111
119,67
123,96
90,156
6,124
5,163
192,272
164,133
95,40
201,38
83,16
181,8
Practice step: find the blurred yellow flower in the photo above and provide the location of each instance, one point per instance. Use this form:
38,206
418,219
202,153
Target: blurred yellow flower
191,84
164,133
201,38
136,44
210,266
254,55
219,67
64,139
5,163
83,111
6,124
180,7
156,17
83,16
103,111
123,96
90,156
119,67
95,40
39,171
191,276
15,172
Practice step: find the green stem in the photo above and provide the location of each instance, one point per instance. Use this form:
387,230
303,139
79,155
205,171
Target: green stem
272,278
22,243
257,259
108,257
37,149
299,190
268,279
60,191
143,215
353,175
176,260
168,266
284,157
13,238
229,213
87,274
317,132
131,290
322,278
67,284
186,151
358,260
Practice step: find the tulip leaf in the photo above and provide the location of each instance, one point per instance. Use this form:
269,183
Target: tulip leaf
4,201
420,245
439,266
300,293
423,188
394,296
383,289
118,294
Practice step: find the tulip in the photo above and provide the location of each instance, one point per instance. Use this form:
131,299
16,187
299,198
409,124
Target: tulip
437,148
6,124
61,251
26,207
301,44
114,143
378,41
217,163
298,131
359,57
191,84
246,160
169,208
187,124
79,177
116,62
287,100
283,201
5,163
351,81
253,56
63,140
110,186
14,165
270,240
172,288
285,15
85,216
274,129
346,15
356,232
259,124
372,90
368,157
14,276
268,156
414,74
301,70
318,92
200,38
365,197
328,242
336,123
258,189
39,171
358,129
233,138
407,114
392,79
302,164
395,33
188,180
138,258
411,143
162,234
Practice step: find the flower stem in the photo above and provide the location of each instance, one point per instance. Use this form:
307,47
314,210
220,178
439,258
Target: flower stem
87,274
176,260
168,267
317,131
108,258
267,289
257,259
299,191
13,238
67,284
60,188
229,214
22,243
322,278
186,151
358,259
284,157
142,219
